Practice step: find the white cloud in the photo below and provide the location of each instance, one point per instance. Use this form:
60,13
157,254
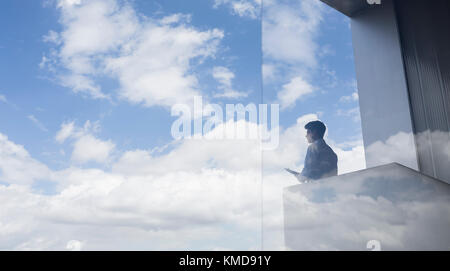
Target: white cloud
74,245
3,99
219,154
37,123
82,84
176,18
268,72
225,77
43,62
326,50
290,31
352,159
161,65
68,3
401,148
353,113
152,202
441,143
242,8
52,37
86,147
151,59
17,166
200,190
289,43
296,89
397,148
354,97
67,130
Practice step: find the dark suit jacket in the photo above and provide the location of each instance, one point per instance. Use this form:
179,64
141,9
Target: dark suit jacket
320,161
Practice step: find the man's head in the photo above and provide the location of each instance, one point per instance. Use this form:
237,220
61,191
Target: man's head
314,130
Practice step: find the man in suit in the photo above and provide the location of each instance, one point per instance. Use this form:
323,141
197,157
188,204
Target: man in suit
320,160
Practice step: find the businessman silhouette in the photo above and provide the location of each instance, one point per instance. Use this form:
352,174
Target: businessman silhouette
320,160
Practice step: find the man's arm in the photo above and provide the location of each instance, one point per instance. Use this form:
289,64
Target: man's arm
301,178
313,164
319,163
309,160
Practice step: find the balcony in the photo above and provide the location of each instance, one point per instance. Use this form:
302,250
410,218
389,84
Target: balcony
390,207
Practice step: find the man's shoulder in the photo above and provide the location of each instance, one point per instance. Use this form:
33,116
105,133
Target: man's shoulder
324,147
324,144
321,144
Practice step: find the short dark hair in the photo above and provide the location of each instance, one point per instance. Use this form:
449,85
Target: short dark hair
317,127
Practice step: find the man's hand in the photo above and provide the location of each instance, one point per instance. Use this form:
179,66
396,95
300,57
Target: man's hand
292,172
300,177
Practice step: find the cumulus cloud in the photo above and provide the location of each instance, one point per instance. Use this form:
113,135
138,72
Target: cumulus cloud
225,78
17,166
397,148
209,153
189,192
193,191
86,147
404,148
440,141
200,189
52,37
68,3
291,62
151,59
268,72
243,8
290,50
292,91
67,130
290,31
354,97
351,98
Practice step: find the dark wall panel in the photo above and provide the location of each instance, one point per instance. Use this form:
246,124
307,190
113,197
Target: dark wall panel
424,28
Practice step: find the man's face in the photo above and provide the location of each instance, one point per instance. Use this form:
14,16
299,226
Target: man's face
309,136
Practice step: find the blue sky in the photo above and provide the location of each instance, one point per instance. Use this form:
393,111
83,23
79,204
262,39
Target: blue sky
31,90
85,97
308,69
326,64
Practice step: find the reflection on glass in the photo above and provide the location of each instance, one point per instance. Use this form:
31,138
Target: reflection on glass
391,206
